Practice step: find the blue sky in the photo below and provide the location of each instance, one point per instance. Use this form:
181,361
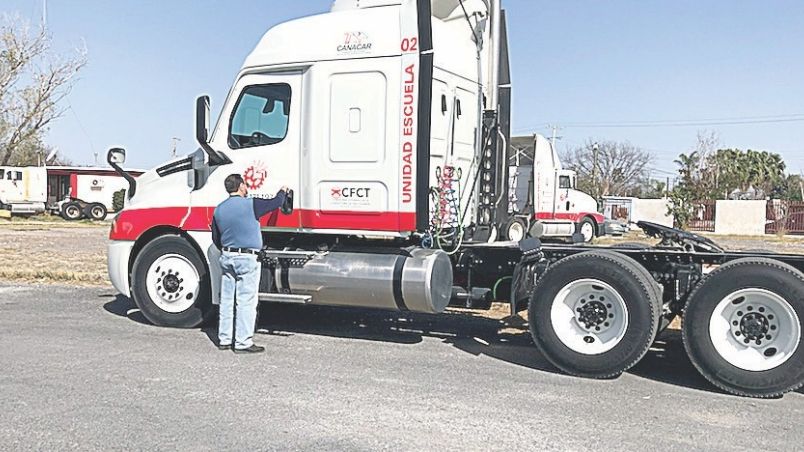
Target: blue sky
607,63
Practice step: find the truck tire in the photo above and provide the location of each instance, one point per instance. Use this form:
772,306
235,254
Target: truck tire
515,230
170,283
594,314
587,228
742,327
71,211
96,211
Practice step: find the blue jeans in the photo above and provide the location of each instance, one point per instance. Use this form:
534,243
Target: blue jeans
240,281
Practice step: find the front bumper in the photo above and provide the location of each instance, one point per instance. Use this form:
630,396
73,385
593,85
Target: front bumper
118,255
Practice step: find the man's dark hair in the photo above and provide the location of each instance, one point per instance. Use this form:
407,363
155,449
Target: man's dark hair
232,183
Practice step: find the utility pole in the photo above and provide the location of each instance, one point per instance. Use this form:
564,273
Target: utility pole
554,136
175,141
595,148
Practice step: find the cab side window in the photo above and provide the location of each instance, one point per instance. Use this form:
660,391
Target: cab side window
564,182
260,117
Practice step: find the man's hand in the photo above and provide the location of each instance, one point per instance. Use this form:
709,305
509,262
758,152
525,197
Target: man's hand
284,188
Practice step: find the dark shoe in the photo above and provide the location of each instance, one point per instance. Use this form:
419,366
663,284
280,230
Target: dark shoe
224,347
252,349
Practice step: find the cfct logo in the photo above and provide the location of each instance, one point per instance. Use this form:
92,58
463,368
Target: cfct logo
350,192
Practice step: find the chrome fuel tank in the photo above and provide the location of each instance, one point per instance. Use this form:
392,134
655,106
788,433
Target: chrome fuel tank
419,281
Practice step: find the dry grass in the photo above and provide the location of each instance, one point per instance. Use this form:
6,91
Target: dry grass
53,253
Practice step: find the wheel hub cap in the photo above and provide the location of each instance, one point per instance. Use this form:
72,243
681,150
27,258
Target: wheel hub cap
589,316
172,283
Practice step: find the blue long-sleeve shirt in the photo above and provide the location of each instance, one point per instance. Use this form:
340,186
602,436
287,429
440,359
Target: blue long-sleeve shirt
235,223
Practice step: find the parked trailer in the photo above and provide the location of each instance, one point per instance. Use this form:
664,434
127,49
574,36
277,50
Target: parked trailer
391,127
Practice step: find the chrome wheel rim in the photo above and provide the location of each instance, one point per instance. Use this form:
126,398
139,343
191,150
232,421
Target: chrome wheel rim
589,316
587,231
755,329
173,283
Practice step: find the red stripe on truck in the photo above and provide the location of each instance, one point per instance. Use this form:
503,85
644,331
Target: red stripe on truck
131,224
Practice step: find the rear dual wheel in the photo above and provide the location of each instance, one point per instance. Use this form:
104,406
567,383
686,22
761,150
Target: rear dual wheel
71,211
595,314
96,211
743,325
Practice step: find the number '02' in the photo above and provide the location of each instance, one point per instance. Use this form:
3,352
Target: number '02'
410,44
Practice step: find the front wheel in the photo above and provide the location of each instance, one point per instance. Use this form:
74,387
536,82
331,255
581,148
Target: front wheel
587,229
743,325
170,283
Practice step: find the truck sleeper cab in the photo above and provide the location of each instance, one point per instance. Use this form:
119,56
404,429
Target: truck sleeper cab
392,129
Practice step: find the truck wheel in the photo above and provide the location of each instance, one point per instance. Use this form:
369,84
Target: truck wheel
594,314
71,211
742,327
170,283
96,211
515,230
586,228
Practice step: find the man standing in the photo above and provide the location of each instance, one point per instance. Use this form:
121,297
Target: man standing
236,232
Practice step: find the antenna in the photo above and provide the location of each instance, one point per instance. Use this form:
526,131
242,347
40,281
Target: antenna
175,141
44,14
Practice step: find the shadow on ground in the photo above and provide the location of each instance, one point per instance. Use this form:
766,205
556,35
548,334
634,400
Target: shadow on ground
506,339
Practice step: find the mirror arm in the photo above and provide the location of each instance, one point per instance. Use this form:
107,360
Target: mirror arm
132,183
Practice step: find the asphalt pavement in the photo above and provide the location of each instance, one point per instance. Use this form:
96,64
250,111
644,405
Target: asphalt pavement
80,368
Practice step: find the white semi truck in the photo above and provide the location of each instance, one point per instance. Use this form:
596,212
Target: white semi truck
544,200
389,120
23,190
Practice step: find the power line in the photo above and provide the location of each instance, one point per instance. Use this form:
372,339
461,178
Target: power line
795,117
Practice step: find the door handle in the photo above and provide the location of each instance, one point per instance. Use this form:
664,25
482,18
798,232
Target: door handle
287,206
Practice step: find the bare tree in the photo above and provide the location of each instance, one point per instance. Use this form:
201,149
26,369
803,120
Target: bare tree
608,167
33,80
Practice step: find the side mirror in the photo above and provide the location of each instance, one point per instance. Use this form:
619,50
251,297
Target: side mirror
202,132
202,120
116,156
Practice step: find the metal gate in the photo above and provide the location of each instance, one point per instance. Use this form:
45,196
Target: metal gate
785,217
703,216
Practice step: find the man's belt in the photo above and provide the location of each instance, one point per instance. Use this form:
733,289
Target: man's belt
241,250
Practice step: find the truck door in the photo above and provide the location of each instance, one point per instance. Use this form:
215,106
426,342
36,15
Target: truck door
564,203
259,130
